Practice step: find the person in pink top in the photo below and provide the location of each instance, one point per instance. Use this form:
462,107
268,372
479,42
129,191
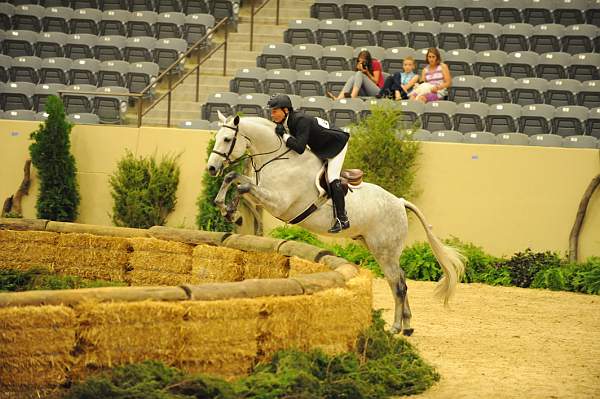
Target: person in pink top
367,81
435,76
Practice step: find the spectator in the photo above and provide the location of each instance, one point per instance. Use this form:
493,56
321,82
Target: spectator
367,81
435,77
399,84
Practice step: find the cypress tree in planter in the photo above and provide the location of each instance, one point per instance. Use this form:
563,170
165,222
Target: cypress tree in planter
50,153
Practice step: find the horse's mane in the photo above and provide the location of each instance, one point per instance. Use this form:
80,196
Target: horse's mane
260,121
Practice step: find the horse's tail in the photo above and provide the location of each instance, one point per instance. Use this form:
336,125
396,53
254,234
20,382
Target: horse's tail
449,258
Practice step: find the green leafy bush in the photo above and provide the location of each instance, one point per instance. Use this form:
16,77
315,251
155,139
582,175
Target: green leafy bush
383,365
523,266
289,232
13,280
387,160
144,190
50,152
419,263
577,277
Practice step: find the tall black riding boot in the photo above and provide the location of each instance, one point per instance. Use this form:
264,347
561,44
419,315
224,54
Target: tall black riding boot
339,207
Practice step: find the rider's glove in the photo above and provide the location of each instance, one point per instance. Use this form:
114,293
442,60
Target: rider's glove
280,130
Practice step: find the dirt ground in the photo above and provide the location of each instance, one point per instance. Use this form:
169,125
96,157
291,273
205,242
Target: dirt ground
504,342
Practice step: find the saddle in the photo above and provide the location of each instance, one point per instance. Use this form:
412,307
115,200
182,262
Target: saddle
349,178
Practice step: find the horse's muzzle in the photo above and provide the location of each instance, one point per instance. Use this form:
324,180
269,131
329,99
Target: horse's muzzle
212,171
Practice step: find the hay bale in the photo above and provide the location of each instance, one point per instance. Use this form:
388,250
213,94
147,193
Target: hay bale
299,266
244,289
188,236
253,243
24,250
265,265
64,227
220,336
155,262
23,224
35,345
316,282
91,256
106,294
303,250
214,264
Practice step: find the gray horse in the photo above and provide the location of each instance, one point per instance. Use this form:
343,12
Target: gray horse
284,183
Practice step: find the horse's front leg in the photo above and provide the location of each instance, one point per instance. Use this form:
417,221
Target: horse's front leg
219,200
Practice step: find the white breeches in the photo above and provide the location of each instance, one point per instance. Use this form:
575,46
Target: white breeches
334,165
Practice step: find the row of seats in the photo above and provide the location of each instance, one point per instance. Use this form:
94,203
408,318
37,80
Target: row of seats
544,38
110,103
25,73
121,23
28,115
437,115
566,12
48,50
518,64
29,8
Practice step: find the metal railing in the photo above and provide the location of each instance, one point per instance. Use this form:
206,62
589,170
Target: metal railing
255,11
167,72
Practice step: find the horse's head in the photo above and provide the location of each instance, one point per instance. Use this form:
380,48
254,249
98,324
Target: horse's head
229,145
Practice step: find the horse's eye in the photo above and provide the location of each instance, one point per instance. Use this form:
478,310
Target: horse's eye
227,139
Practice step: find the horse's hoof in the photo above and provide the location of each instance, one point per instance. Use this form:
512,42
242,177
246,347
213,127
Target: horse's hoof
394,330
408,332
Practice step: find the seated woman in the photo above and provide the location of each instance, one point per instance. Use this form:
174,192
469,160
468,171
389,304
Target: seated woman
367,81
435,77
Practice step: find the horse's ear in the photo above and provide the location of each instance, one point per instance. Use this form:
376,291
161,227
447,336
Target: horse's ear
236,120
222,117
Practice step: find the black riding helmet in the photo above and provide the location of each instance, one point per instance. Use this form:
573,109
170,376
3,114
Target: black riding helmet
280,101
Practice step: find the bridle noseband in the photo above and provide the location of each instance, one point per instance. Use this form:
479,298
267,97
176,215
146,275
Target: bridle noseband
236,129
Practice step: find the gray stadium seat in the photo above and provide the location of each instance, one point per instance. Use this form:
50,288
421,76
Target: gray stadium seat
50,44
585,66
423,34
28,17
332,32
80,46
545,38
345,111
418,10
85,20
538,12
141,5
497,90
196,27
553,65
5,64
356,9
16,95
110,105
109,48
465,88
7,10
569,12
512,138
362,32
562,92
252,104
386,10
78,103
306,56
164,6
275,55
460,61
42,92
19,43
437,115
113,5
141,23
84,71
25,69
421,135
411,113
580,142
311,82
480,138
316,106
199,124
139,49
167,51
337,58
454,35
296,100
280,81
546,140
77,4
592,13
140,75
324,9
521,64
448,11
20,114
480,11
301,31
509,12
84,118
336,80
447,136
529,91
569,120
248,80
112,73
223,101
55,70
489,63
226,8
169,25
394,57
515,37
114,22
579,38
470,117
503,118
393,33
589,95
56,19
592,127
484,36
536,119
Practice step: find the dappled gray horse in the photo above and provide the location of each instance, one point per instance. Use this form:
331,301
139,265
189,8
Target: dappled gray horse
284,183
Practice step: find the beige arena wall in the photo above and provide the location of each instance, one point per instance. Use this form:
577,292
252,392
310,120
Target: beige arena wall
503,198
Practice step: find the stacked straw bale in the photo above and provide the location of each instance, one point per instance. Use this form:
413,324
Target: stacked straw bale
220,336
216,264
91,256
159,262
265,265
35,346
118,333
27,249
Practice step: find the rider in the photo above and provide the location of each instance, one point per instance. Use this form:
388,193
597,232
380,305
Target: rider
299,130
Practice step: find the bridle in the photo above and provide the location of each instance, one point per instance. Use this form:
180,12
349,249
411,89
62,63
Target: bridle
236,129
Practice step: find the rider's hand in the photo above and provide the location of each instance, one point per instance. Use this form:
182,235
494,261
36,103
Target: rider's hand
280,130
